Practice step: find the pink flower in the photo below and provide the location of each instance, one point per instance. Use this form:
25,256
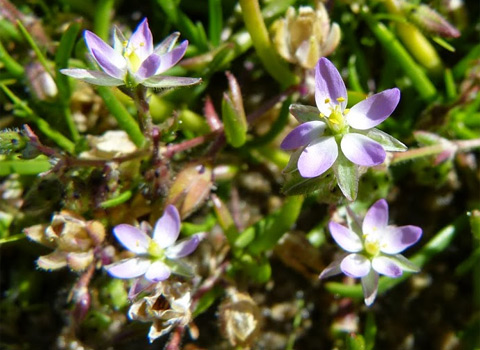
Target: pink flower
373,249
157,257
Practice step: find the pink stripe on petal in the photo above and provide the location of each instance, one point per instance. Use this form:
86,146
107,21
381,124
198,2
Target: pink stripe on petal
107,58
386,266
171,58
373,110
157,272
141,41
396,239
329,86
183,248
129,268
167,228
345,238
318,157
303,134
355,265
132,238
362,150
148,67
376,219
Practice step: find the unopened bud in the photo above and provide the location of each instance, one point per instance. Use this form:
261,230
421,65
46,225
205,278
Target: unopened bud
12,141
430,20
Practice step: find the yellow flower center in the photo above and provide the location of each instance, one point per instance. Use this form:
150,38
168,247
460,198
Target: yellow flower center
155,250
336,120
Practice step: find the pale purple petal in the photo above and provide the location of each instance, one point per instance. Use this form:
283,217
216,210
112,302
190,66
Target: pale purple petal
167,44
396,239
376,219
355,265
370,287
329,86
132,238
373,110
345,238
303,134
362,150
171,58
141,41
183,248
95,77
112,62
148,67
167,228
332,269
161,81
157,272
386,266
318,157
129,268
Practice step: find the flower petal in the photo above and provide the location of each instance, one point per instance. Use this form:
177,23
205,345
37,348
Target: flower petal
95,77
157,272
161,81
141,41
183,248
386,266
329,86
171,58
345,238
373,110
128,268
318,157
361,150
396,239
370,287
355,265
132,238
148,67
376,219
404,263
303,134
108,59
167,228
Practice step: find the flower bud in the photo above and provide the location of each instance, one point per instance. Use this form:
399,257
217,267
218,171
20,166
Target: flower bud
430,21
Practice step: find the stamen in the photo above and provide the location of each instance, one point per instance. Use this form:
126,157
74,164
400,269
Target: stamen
327,100
125,43
322,115
142,44
346,111
340,99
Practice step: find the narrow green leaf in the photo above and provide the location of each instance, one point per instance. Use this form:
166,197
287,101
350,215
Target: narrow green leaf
10,64
113,202
215,21
41,57
24,167
355,342
370,332
103,15
234,122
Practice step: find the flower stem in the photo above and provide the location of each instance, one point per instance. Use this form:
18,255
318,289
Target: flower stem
143,110
11,65
460,145
277,68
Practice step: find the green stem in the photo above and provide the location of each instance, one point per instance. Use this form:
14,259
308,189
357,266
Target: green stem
124,119
419,79
10,64
143,110
455,146
277,68
41,57
42,125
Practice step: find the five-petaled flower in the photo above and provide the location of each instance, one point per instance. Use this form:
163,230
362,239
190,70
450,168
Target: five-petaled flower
331,135
157,257
133,62
373,248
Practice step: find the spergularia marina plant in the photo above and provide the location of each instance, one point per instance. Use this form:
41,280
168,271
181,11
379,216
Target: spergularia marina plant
157,256
134,61
332,136
373,248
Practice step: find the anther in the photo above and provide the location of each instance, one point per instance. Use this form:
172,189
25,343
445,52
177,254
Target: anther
327,100
340,99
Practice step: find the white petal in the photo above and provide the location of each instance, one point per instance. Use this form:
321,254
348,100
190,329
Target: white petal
157,272
386,266
345,238
95,77
396,239
318,157
167,227
129,268
376,219
355,265
361,150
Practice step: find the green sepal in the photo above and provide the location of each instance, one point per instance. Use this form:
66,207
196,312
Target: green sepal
304,113
347,176
389,143
234,122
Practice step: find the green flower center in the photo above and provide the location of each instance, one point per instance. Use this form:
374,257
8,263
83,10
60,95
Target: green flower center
155,251
336,121
372,247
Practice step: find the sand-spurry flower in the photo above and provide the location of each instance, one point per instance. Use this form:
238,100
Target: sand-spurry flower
373,248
